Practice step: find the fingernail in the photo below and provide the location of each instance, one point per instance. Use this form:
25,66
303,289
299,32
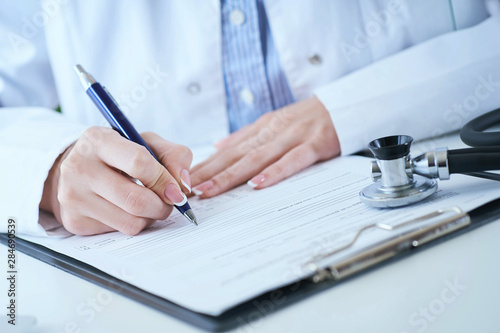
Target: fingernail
174,194
186,180
198,190
256,181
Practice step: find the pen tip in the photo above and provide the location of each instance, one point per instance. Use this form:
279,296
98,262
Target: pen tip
190,216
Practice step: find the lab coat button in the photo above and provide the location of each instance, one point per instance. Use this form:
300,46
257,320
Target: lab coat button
237,17
194,88
315,59
247,96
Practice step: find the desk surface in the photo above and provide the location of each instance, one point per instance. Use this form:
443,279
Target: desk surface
452,287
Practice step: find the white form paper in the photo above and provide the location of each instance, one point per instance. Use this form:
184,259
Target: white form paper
253,241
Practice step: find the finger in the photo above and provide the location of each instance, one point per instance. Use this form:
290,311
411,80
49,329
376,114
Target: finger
236,139
73,193
292,162
114,217
271,122
127,195
84,226
263,131
214,166
246,167
237,152
136,161
229,156
73,217
199,166
176,158
227,152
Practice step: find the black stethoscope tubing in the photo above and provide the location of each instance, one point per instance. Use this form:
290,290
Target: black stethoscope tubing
485,154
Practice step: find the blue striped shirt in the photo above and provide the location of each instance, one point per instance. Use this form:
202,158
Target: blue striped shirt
254,80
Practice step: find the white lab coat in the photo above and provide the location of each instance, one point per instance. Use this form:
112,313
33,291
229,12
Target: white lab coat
162,61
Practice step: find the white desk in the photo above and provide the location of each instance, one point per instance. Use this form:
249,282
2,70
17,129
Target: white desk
385,300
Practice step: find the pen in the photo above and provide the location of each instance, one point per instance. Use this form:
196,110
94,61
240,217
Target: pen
110,110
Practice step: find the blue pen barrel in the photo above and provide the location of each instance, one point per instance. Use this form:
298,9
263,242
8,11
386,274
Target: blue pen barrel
110,110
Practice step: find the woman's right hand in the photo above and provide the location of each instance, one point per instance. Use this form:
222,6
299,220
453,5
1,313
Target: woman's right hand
89,189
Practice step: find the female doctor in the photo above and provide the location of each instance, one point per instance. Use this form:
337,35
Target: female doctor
276,85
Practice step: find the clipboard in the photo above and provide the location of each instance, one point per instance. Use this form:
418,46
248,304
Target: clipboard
449,223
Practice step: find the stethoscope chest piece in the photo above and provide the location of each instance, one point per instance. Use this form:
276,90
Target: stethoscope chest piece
395,184
400,180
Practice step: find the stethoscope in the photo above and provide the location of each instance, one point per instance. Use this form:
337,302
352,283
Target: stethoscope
400,180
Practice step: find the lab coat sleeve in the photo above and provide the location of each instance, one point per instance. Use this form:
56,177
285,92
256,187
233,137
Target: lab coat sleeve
32,134
424,91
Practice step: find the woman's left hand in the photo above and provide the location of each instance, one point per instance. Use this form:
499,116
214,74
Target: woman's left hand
278,145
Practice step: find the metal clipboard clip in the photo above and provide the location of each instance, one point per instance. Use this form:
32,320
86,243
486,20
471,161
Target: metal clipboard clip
413,233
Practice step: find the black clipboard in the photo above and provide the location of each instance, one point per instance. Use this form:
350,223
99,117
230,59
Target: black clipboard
254,309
